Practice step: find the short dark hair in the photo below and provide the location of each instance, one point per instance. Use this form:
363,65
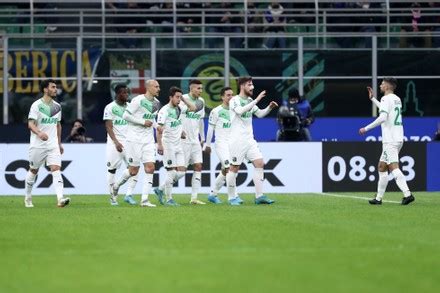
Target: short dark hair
392,81
223,90
119,87
243,79
174,90
194,81
293,93
78,120
45,84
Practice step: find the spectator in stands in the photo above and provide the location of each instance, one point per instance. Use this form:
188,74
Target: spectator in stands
294,118
222,20
78,133
275,23
131,25
66,12
254,18
165,9
338,18
187,18
415,23
368,21
254,24
303,13
128,25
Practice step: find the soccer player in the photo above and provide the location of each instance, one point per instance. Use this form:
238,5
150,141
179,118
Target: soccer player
390,120
193,126
141,114
242,145
169,142
45,142
220,123
116,127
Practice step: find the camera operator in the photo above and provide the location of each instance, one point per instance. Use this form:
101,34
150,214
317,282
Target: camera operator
294,119
77,134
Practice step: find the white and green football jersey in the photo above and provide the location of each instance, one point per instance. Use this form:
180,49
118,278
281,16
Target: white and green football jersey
142,108
220,119
241,125
191,120
114,112
170,118
392,128
46,117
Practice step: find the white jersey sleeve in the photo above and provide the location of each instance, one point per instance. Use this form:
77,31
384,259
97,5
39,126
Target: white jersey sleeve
234,103
384,106
213,117
33,112
133,107
108,115
183,107
162,116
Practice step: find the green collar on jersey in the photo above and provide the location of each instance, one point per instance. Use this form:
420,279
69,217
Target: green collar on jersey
124,104
46,103
192,98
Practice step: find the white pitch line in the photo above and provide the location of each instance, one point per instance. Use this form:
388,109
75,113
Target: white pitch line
353,196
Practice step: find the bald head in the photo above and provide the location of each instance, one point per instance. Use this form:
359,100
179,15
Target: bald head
153,88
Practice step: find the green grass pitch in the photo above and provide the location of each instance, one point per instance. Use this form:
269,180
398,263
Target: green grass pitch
303,243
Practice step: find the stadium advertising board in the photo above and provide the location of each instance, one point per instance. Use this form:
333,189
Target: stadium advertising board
47,63
347,129
290,167
433,166
353,166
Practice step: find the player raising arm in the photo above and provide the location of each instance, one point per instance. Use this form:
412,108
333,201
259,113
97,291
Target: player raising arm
242,145
390,120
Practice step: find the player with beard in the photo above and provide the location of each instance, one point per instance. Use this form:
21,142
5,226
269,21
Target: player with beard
45,143
242,144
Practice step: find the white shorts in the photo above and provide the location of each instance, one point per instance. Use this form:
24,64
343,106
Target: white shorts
173,156
115,158
244,150
37,157
390,152
138,153
193,153
222,151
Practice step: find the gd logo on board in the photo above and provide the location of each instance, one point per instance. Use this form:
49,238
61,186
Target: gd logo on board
212,66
